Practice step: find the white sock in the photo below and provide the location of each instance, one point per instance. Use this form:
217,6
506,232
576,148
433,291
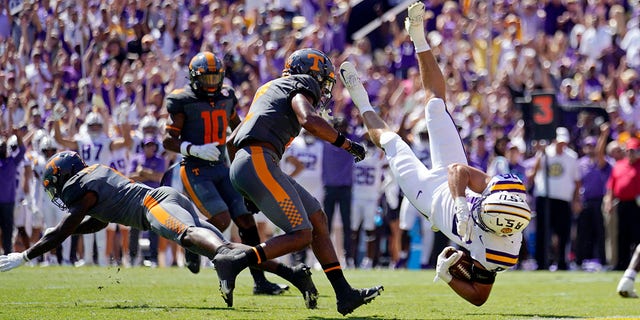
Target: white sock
421,45
630,273
365,108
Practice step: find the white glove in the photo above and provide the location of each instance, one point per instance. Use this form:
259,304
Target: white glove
59,110
209,151
463,215
444,263
13,260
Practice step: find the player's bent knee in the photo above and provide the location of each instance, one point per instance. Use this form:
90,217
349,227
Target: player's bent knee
187,238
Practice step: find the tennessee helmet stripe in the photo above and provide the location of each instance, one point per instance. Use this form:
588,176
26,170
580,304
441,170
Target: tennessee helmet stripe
192,194
163,216
501,258
211,61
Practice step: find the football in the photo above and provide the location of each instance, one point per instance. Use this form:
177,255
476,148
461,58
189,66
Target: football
462,268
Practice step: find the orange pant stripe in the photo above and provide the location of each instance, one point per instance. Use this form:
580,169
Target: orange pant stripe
189,189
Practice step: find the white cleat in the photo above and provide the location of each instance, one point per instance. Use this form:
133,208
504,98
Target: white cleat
415,12
349,77
626,289
414,23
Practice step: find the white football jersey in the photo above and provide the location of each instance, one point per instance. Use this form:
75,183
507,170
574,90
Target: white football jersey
119,160
311,156
367,176
37,164
94,151
26,162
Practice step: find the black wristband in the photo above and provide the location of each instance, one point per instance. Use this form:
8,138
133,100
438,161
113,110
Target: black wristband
339,140
482,276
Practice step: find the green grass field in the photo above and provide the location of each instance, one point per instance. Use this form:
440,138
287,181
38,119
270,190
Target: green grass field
174,293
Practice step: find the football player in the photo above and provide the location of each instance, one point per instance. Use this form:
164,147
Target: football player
97,195
491,230
96,147
366,192
279,110
200,114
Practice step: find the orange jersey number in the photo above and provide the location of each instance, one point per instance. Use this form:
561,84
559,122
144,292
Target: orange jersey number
215,126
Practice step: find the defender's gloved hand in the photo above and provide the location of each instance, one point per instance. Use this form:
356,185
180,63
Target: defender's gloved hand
357,151
209,151
13,260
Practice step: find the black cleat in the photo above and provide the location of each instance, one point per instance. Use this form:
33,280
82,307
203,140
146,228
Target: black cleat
302,280
193,261
353,299
269,288
228,267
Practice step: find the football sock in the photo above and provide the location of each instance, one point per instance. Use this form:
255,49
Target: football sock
250,237
630,273
333,271
255,255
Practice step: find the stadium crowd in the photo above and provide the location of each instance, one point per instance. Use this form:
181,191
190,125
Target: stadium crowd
69,70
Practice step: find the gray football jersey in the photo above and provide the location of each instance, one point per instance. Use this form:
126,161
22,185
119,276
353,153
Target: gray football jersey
271,117
120,199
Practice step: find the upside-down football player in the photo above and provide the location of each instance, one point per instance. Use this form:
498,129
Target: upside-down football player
490,231
96,195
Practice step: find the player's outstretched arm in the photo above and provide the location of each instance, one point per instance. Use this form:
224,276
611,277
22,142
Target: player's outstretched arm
319,127
52,237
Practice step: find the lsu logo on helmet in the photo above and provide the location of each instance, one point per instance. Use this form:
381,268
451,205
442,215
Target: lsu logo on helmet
504,213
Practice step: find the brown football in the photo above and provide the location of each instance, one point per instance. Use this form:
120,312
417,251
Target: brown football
462,268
